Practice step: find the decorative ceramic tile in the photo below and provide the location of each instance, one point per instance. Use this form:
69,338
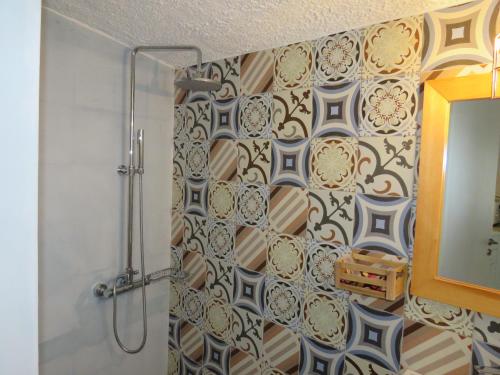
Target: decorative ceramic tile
252,204
224,119
192,342
179,121
484,355
173,361
320,265
338,57
195,233
255,116
221,239
293,66
292,114
216,355
251,248
290,162
198,116
189,367
179,157
192,71
382,223
319,359
272,371
393,47
288,210
177,229
375,335
176,255
389,106
257,72
194,265
283,302
242,363
218,318
333,163
197,159
177,194
429,350
335,110
223,160
386,166
248,292
281,348
487,329
196,197
285,256
331,216
247,332
324,319
193,302
462,35
254,160
219,280
394,307
175,299
358,366
174,331
437,314
180,94
222,200
227,71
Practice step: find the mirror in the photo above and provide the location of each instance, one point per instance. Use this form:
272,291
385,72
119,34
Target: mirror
470,231
456,256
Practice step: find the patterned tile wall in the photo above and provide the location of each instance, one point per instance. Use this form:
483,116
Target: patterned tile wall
306,151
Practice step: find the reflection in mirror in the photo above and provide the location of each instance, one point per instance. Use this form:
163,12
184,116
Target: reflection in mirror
469,249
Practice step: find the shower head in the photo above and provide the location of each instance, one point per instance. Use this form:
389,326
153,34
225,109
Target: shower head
198,84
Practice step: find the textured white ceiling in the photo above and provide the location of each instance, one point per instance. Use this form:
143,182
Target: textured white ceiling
225,28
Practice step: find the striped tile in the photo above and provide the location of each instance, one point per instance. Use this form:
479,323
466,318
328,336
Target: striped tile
257,72
223,157
358,366
242,363
288,210
196,268
177,231
180,94
393,307
281,348
432,351
251,248
192,342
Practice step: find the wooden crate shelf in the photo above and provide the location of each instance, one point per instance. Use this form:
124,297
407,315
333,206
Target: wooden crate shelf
372,273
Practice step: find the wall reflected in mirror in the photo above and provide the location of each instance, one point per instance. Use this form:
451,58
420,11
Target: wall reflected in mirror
470,237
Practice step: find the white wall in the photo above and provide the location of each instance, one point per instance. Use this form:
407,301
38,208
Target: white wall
20,43
83,138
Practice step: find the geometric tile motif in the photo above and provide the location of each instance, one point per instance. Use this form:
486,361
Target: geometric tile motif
429,350
255,116
173,361
389,106
257,72
177,194
180,118
325,319
484,355
290,162
221,238
197,159
192,342
293,66
319,359
242,363
219,280
382,223
192,305
335,110
194,265
175,299
196,197
331,216
385,166
395,307
177,229
288,210
189,367
338,57
393,47
283,302
251,248
195,233
224,119
333,163
285,256
227,72
216,355
487,329
248,292
357,366
252,205
375,336
198,120
462,35
218,318
247,332
254,160
179,157
223,158
222,200
292,113
281,348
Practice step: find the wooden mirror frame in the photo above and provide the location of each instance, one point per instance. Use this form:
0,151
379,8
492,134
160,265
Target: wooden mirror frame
439,93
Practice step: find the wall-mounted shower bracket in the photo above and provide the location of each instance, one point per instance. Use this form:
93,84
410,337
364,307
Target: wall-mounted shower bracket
122,170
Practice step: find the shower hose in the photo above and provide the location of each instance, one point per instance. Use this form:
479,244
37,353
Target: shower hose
143,273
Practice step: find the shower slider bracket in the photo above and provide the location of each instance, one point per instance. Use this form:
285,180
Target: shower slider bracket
103,290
